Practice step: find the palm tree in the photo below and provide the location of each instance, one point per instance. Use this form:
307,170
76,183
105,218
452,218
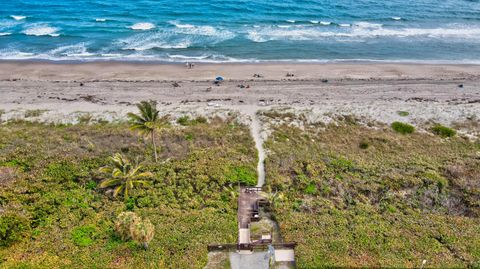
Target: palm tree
146,122
124,176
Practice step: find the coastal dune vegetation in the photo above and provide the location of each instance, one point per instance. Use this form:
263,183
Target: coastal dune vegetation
351,193
373,195
55,213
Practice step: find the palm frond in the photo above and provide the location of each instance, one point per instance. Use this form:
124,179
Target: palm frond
117,173
118,190
144,174
134,170
134,117
105,169
141,182
124,175
110,182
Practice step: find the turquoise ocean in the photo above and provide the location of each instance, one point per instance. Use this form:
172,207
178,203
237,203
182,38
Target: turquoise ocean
240,30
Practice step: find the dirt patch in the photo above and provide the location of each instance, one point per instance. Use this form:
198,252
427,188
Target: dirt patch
7,175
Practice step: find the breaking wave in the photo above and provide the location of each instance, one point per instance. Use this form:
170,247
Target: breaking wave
73,51
202,30
17,17
142,26
154,41
362,30
41,30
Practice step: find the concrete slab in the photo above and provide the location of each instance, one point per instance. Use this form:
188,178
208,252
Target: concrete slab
284,255
244,236
256,260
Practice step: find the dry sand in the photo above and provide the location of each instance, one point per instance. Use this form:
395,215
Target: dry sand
374,91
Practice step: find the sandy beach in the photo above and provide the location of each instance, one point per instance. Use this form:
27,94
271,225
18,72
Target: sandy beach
107,91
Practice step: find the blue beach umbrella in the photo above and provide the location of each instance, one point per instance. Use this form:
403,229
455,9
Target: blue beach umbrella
219,79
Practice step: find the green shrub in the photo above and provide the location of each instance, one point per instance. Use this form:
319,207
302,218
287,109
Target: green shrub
201,119
61,171
402,128
12,228
311,188
84,235
403,113
24,166
432,177
91,185
130,203
189,137
243,174
443,131
184,120
341,164
363,145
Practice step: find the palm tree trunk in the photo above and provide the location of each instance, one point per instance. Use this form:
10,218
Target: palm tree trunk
154,146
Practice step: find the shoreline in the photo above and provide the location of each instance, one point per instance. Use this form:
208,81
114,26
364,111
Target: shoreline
242,61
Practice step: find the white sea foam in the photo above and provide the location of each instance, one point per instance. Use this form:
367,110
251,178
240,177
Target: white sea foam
470,33
185,57
284,26
100,20
396,18
180,37
75,51
111,55
148,45
269,33
142,26
5,34
344,24
180,25
257,37
360,31
18,18
160,40
291,21
11,54
368,25
325,23
41,30
206,30
201,30
314,22
7,24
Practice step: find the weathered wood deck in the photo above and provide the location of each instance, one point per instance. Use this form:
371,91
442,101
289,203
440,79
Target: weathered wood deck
246,202
251,246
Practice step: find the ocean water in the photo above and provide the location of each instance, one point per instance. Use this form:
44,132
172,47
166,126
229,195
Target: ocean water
241,30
